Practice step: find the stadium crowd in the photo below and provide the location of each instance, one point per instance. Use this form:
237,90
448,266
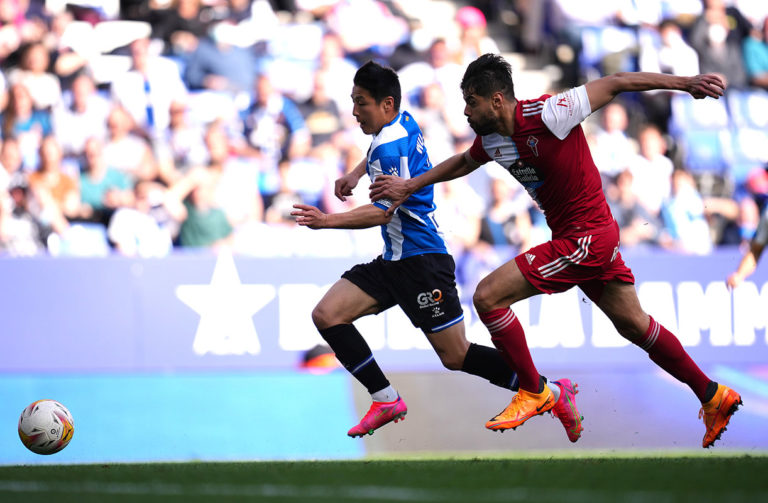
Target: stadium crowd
141,127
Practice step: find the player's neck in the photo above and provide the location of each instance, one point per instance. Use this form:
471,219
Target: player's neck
507,118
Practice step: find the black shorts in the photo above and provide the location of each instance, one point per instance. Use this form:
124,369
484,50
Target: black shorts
424,286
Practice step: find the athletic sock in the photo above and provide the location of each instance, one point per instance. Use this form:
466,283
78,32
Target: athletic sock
387,394
665,350
508,336
555,389
356,356
488,363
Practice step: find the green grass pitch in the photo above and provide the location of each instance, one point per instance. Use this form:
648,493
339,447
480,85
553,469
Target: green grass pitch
539,478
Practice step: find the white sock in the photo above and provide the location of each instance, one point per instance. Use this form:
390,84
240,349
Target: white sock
555,389
387,394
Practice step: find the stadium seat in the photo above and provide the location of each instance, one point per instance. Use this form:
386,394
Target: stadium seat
705,151
748,108
689,113
597,42
750,150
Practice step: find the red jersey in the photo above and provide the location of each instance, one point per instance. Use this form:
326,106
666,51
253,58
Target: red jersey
548,154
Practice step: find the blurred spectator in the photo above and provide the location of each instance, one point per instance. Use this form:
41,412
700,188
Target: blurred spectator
432,115
183,147
126,151
718,35
361,38
636,224
12,23
667,53
507,220
474,39
613,148
21,120
72,46
147,228
21,232
51,182
278,212
205,224
217,64
685,226
756,56
10,159
275,132
148,89
321,113
82,115
651,169
440,68
339,71
102,187
180,27
33,72
218,198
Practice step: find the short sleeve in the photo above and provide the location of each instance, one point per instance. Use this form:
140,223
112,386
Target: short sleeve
566,110
477,152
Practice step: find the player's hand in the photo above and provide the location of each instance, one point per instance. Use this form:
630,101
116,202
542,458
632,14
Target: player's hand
344,185
389,187
733,280
708,85
309,216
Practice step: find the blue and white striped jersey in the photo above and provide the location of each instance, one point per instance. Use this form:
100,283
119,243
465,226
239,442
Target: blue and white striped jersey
398,149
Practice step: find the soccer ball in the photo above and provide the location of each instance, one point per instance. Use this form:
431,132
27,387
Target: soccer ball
46,427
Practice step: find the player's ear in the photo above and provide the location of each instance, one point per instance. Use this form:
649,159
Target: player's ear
389,104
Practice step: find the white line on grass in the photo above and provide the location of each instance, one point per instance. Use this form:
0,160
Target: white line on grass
358,493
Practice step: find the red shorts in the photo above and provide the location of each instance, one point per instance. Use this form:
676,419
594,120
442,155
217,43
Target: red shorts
588,261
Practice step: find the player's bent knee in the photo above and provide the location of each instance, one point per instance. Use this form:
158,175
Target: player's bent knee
322,317
482,299
452,361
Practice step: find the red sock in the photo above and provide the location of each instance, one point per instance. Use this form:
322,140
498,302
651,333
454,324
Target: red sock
666,351
508,336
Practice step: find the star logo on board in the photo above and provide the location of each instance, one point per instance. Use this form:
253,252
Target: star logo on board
226,308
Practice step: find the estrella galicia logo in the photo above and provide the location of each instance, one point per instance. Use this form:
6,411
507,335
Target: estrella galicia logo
429,299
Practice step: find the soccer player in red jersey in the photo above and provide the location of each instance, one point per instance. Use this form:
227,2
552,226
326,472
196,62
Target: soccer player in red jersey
541,143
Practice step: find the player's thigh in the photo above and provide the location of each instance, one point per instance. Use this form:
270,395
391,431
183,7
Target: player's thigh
343,303
620,303
502,288
450,345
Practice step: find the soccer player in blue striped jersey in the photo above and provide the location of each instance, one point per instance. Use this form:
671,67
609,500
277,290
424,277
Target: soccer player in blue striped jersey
414,271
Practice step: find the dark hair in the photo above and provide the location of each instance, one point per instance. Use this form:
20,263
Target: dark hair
488,74
380,81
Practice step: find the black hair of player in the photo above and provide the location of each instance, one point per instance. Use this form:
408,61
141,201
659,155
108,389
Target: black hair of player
488,74
381,81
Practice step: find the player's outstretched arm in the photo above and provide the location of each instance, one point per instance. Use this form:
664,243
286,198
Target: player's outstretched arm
359,218
344,185
602,91
397,190
747,265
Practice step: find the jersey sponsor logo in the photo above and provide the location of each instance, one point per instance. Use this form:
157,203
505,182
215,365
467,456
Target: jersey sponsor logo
532,142
562,102
524,173
429,299
530,257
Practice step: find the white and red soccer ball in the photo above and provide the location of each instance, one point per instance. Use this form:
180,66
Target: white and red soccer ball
46,427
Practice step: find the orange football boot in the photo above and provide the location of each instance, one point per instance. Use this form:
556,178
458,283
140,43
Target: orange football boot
524,405
717,412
